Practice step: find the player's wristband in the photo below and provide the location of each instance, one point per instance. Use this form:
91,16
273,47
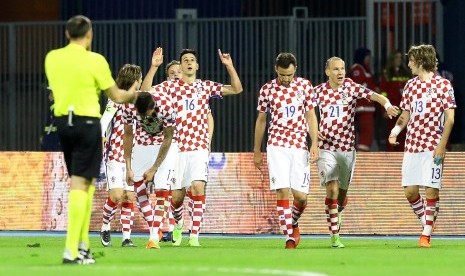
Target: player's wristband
387,105
396,130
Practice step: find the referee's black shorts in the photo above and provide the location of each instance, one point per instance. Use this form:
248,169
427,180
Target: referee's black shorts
82,145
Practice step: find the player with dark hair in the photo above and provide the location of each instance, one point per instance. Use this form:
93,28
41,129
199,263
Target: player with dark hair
289,101
191,101
428,110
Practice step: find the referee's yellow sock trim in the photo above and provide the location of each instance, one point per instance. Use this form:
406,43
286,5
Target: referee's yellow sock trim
77,208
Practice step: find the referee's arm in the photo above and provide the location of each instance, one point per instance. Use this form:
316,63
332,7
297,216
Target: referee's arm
122,96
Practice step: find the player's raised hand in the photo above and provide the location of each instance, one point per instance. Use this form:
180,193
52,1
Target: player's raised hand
225,58
157,57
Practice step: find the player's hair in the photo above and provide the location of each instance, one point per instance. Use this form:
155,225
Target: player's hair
425,56
328,61
187,51
168,66
127,75
144,102
284,60
78,26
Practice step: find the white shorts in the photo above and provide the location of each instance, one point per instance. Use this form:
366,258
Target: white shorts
288,168
116,176
336,165
143,158
191,166
419,169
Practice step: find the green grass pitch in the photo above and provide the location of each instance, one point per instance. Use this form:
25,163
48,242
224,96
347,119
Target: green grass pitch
239,256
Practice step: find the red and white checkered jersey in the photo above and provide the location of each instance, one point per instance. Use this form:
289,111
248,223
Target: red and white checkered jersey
287,106
149,130
426,101
191,102
337,113
113,148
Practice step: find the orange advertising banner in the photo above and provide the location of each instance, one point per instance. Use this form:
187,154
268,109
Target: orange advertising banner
35,186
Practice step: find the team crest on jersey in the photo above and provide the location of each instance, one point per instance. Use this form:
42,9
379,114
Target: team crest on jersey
429,93
344,98
299,95
113,179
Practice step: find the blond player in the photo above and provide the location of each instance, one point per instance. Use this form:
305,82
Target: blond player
337,100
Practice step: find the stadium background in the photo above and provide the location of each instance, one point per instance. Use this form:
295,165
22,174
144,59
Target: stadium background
34,185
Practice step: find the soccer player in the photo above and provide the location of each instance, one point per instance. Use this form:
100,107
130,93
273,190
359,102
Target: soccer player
428,109
119,190
337,100
77,76
289,101
153,156
190,99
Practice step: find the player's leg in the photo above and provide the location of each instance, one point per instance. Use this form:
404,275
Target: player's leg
279,166
432,187
329,171
346,163
109,209
127,216
300,186
143,159
196,171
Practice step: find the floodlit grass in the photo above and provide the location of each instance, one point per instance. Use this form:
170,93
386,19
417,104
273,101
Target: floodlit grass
239,256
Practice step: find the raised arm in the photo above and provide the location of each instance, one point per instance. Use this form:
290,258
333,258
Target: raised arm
236,86
122,96
157,60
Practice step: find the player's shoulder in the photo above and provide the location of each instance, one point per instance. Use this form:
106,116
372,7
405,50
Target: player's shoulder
270,84
412,81
320,87
303,81
441,80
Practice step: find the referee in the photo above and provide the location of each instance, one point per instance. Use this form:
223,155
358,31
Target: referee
77,76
